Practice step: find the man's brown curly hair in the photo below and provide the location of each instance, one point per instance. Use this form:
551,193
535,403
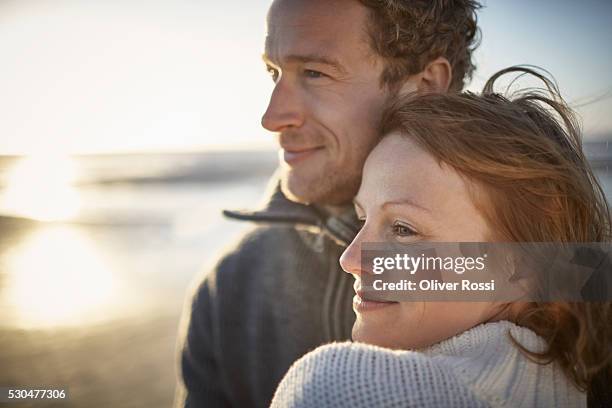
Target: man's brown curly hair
408,34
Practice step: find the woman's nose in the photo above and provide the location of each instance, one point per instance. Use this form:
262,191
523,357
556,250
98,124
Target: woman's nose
350,260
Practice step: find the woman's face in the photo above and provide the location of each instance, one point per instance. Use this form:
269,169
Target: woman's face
406,196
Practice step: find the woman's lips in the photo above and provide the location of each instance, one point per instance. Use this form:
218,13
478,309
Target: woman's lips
362,304
295,155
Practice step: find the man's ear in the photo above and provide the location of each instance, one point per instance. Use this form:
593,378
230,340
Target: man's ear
436,77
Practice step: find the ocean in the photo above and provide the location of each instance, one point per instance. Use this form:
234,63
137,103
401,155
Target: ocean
146,224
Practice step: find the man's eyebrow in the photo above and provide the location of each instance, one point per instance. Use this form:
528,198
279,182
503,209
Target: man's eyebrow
316,58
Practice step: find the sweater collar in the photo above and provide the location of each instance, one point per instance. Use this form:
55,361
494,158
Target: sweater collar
488,362
493,335
277,208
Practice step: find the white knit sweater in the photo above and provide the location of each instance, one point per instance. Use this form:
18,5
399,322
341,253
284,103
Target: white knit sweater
477,368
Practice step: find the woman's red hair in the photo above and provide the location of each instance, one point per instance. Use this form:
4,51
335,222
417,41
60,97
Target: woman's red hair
525,152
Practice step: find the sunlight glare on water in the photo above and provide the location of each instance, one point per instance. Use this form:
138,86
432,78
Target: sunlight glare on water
41,187
57,278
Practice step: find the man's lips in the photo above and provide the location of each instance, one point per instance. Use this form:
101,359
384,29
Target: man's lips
293,155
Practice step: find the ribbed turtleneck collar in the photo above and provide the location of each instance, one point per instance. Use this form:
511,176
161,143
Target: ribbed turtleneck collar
492,335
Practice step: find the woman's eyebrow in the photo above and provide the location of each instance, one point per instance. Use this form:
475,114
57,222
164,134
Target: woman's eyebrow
406,202
357,205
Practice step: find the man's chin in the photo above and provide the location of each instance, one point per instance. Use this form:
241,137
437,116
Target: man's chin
295,189
322,189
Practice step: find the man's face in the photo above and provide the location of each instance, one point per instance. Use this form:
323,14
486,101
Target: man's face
327,101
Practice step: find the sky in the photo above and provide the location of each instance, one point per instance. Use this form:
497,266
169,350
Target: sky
101,76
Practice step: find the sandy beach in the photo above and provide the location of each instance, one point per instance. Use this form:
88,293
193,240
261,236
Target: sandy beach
120,364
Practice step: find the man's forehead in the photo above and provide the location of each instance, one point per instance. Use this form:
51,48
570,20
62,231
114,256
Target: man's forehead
323,13
286,9
315,27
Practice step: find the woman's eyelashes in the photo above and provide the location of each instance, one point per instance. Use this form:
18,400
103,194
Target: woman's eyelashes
362,221
401,229
397,228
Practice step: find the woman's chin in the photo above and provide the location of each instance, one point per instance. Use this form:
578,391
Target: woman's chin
381,335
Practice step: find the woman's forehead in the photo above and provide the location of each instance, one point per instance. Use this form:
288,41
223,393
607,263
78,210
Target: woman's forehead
398,169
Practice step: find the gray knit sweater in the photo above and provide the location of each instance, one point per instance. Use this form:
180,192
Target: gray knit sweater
478,368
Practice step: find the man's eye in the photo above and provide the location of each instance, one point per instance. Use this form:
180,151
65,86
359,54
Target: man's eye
273,73
403,230
309,73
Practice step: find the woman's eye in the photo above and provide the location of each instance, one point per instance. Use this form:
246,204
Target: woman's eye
313,74
403,230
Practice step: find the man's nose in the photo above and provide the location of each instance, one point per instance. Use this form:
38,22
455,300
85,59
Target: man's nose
284,109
